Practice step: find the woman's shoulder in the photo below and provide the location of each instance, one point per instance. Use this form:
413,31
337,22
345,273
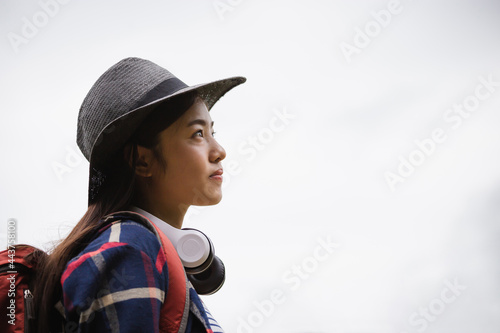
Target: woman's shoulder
125,248
126,242
125,232
132,233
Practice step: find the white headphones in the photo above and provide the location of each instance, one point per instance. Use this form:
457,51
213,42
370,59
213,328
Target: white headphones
197,253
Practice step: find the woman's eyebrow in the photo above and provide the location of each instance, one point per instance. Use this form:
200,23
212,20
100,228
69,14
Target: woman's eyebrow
199,122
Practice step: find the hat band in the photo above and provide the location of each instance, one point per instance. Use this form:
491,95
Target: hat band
163,89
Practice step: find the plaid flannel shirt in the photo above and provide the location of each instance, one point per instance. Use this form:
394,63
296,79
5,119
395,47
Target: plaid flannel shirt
114,286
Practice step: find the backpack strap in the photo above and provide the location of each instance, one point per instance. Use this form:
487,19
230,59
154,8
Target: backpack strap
175,309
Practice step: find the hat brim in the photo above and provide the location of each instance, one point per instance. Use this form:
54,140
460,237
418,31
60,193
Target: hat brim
116,133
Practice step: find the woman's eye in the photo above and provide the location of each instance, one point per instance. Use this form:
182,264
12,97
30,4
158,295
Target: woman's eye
201,132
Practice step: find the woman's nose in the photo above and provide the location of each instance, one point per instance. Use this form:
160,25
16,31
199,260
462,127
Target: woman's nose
218,153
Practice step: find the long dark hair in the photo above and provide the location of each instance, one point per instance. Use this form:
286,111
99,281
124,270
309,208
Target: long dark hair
116,194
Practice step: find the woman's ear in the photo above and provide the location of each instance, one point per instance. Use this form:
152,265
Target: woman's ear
144,161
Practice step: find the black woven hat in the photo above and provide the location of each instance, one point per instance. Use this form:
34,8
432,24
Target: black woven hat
121,99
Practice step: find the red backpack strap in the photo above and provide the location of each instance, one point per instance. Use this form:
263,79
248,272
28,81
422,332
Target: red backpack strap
175,308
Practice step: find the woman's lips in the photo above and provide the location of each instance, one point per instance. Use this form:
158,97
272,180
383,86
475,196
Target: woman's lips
217,175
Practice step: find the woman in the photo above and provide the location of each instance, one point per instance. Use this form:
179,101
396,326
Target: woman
149,140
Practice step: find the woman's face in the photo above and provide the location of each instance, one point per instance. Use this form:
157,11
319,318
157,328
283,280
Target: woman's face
192,155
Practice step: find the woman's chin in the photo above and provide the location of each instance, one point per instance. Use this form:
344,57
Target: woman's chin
212,201
207,198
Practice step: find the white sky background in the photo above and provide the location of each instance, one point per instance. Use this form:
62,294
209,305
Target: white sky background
322,176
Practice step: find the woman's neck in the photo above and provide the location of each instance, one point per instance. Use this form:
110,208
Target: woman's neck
171,215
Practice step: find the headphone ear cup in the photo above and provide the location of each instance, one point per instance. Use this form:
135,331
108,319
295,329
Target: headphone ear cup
203,267
210,280
211,252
